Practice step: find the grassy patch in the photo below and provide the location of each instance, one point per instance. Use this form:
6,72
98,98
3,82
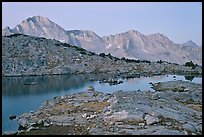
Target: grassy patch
197,107
59,130
95,106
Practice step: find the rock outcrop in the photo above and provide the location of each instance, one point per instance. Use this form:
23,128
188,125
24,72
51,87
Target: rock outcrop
121,113
29,55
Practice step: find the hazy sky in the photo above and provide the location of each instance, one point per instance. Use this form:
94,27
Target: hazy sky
179,21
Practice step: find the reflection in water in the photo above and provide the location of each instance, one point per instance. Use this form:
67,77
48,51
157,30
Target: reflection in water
190,77
18,98
17,86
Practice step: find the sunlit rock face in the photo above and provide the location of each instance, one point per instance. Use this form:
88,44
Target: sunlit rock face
41,27
154,47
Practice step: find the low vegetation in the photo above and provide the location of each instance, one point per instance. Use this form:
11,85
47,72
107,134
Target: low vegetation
191,64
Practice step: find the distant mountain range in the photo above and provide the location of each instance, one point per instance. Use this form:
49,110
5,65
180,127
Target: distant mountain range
131,44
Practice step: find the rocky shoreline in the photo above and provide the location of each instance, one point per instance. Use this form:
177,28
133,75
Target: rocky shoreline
174,108
169,110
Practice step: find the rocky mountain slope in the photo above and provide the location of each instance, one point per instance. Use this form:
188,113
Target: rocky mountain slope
88,40
41,27
30,55
133,44
130,44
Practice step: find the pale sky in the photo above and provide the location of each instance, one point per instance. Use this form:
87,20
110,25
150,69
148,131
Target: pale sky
179,21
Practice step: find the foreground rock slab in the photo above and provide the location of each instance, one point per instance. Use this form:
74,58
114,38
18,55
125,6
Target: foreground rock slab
174,108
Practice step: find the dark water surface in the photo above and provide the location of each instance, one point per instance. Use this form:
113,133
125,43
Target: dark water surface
18,97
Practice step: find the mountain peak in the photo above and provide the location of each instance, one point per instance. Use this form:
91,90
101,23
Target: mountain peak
41,26
7,31
7,27
38,19
190,43
161,37
157,35
133,31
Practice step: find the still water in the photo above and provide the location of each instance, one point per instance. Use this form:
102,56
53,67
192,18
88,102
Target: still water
18,98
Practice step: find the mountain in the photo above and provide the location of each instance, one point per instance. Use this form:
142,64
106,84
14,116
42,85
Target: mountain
24,55
7,31
30,55
154,47
88,40
41,27
192,52
190,43
131,44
